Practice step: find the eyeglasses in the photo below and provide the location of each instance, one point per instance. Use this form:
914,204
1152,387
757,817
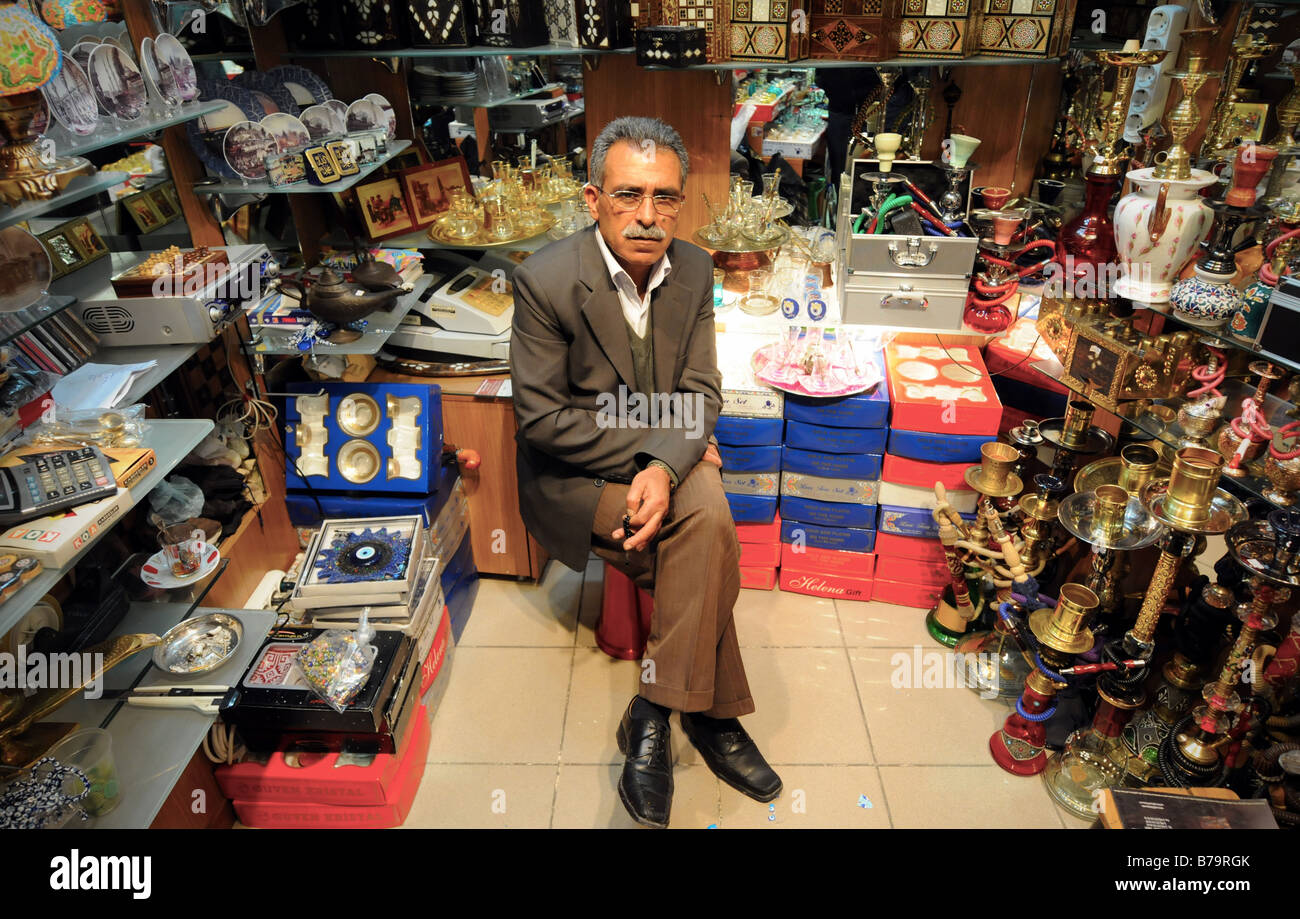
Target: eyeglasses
627,201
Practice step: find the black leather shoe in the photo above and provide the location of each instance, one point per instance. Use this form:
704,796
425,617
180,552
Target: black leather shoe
733,757
646,785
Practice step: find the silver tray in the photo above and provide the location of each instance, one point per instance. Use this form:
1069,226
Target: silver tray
198,645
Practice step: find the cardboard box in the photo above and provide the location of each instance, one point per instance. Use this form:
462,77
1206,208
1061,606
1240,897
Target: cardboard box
757,578
752,508
905,593
768,532
891,545
820,584
910,521
750,459
752,403
829,561
820,488
921,498
399,796
768,30
845,539
929,572
899,470
760,555
752,483
865,410
940,389
831,465
748,432
937,448
828,513
56,539
826,439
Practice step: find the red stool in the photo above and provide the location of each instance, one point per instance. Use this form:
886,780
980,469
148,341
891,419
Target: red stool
625,612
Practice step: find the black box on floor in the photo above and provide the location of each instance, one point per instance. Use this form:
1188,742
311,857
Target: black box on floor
272,694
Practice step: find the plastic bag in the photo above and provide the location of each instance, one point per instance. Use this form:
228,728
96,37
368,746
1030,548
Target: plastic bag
118,427
176,500
338,662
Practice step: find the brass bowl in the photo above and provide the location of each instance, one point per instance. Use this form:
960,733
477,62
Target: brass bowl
359,461
1284,476
358,414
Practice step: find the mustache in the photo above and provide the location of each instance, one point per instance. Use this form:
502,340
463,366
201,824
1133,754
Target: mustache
637,231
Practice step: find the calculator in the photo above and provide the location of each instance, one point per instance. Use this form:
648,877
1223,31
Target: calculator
46,483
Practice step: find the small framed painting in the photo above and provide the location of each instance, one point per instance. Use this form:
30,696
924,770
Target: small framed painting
384,209
429,188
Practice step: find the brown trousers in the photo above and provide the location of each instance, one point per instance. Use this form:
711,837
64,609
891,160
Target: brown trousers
693,567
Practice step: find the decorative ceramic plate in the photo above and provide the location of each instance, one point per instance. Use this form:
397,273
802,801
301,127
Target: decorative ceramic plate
171,54
364,115
305,86
81,52
287,130
269,88
157,572
840,380
247,145
324,121
117,82
71,100
339,107
390,116
25,270
207,133
160,79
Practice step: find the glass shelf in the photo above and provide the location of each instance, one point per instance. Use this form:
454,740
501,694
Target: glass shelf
16,323
80,187
66,144
1172,436
490,103
810,64
303,188
379,327
476,51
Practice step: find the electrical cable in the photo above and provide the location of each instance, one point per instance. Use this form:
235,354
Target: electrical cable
221,746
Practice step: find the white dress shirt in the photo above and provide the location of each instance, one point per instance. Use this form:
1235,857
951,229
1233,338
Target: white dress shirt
635,307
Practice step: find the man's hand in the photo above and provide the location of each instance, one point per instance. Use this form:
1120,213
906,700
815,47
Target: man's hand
711,455
647,503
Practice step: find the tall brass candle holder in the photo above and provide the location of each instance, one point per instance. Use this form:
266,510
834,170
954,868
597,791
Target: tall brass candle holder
1246,49
1191,754
1190,504
1110,149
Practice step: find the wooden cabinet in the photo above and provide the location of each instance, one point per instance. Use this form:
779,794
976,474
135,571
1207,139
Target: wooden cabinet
487,424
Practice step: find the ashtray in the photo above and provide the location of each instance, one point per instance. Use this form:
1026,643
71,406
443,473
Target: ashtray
198,645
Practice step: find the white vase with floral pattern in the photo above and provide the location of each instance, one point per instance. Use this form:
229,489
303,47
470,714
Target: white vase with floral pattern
1157,227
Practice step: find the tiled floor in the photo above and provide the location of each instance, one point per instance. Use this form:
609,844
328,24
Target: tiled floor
525,733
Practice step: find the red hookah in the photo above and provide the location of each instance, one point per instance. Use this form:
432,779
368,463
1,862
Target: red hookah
990,316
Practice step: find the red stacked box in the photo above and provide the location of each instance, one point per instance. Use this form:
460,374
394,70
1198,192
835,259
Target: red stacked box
760,553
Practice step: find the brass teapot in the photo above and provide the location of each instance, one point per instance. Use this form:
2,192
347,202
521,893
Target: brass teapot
334,300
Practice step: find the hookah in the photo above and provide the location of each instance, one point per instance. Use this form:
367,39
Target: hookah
1074,436
1057,636
1198,416
1191,755
1113,523
1246,49
1087,243
921,112
986,311
1243,438
1196,636
1190,504
1288,116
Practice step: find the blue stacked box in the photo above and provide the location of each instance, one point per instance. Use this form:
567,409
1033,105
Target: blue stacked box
459,581
830,466
751,465
936,448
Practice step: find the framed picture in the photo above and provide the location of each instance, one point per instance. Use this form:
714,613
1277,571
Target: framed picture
84,237
161,199
429,188
142,211
64,255
1249,118
407,159
384,209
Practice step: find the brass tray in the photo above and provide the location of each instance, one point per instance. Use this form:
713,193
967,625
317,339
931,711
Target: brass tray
483,241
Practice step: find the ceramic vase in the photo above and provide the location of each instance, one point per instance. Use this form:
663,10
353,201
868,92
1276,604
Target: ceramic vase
1207,300
1157,227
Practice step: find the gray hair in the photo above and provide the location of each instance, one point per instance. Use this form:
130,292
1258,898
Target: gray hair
636,131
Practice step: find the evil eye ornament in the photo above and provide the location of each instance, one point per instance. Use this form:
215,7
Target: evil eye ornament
790,308
816,309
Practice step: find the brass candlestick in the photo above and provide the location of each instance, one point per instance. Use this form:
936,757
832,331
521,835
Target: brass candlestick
1246,49
1288,111
1185,116
1110,156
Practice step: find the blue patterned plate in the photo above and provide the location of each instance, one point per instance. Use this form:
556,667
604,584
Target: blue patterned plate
306,87
260,82
208,132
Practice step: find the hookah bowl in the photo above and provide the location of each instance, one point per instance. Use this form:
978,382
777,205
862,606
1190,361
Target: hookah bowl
1040,512
1094,757
1198,421
1025,438
1190,755
1061,633
1112,522
1074,436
